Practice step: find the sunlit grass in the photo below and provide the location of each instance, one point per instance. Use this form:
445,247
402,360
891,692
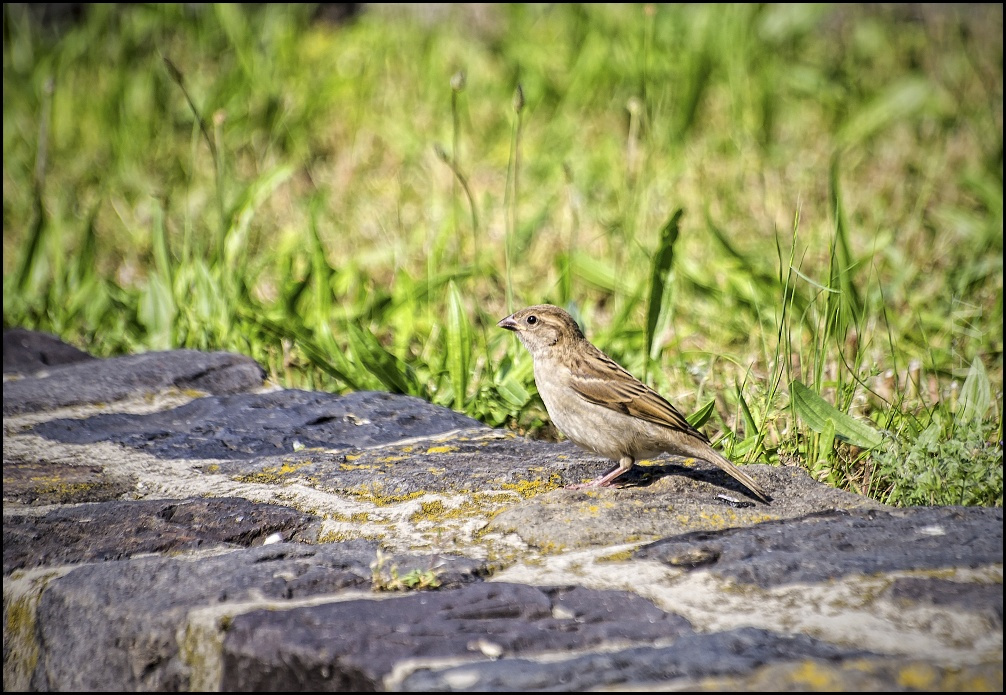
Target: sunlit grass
731,198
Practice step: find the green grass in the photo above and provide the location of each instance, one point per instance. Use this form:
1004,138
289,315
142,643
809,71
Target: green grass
786,218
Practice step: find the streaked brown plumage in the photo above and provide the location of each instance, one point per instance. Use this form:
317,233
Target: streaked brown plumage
599,406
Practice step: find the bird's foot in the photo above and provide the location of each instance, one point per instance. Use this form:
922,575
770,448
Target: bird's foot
605,480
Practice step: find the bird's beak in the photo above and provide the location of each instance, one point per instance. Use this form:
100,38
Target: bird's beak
508,323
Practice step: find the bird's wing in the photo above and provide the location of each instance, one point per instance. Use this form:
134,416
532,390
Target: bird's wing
604,382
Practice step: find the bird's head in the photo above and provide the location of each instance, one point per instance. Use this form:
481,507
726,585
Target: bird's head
541,327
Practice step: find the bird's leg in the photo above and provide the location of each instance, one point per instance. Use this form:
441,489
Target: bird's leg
624,464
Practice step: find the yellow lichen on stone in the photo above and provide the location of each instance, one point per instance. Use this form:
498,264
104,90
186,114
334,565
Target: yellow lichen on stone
620,556
19,631
274,474
531,488
432,508
57,487
443,449
918,676
495,499
359,466
287,467
22,590
373,495
340,536
811,675
356,517
551,548
435,511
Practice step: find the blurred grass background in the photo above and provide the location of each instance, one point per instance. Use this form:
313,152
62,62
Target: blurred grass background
786,218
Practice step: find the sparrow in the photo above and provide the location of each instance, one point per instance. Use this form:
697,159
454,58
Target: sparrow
599,405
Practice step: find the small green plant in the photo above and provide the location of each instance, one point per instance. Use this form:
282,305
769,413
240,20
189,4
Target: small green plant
387,578
942,458
956,459
965,468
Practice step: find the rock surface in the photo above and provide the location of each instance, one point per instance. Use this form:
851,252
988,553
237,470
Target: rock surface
203,532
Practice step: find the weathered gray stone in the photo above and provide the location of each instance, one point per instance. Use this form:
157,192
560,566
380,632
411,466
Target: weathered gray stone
356,645
46,482
244,426
116,530
133,612
690,658
833,544
116,378
672,496
471,460
986,599
29,352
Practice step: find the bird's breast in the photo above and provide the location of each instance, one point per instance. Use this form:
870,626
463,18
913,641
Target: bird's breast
594,427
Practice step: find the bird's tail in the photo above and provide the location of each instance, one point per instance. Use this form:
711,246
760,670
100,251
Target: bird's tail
710,454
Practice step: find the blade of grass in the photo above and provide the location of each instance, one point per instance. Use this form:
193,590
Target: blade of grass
816,412
701,416
459,345
394,374
33,261
236,238
976,394
658,309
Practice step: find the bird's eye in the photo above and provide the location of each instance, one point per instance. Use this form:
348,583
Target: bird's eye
531,320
